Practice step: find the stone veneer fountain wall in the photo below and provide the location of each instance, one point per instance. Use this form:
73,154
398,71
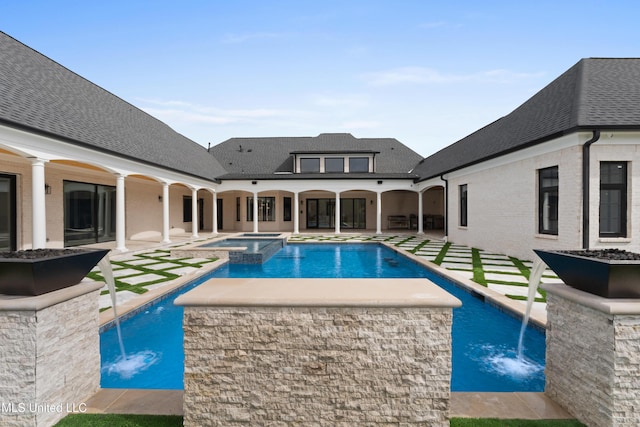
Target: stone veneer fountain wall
317,351
49,355
593,356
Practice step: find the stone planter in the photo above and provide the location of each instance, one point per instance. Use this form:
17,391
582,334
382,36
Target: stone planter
36,272
607,273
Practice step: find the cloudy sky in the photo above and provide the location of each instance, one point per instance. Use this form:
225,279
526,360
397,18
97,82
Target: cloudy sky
425,72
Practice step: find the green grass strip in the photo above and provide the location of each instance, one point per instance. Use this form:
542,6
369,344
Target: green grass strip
123,420
442,253
419,246
403,241
494,422
478,271
120,420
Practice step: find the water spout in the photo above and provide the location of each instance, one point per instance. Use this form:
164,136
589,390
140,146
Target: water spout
107,273
534,280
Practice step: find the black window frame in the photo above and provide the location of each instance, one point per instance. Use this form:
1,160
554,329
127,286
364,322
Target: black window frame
287,209
463,197
548,200
605,209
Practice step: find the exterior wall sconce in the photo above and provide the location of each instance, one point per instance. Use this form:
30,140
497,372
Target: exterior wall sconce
254,182
160,198
379,182
47,189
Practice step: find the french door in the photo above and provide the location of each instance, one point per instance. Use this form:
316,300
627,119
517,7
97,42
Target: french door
89,213
321,213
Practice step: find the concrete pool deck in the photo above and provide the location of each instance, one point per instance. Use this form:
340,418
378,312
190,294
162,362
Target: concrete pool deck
502,273
526,406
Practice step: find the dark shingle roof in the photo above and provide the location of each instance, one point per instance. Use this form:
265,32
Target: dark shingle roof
270,158
40,95
594,93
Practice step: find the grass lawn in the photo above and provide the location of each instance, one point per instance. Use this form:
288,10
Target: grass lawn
109,420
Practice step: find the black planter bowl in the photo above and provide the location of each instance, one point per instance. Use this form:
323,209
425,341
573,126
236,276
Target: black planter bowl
608,278
31,273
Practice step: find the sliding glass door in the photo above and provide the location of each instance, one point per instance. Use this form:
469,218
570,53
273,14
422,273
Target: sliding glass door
89,213
321,213
7,212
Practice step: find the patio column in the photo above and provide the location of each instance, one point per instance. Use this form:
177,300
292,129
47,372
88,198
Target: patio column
215,213
378,212
255,212
120,214
39,218
194,213
420,230
296,214
337,220
165,213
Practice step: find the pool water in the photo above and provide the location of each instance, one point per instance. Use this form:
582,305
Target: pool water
484,339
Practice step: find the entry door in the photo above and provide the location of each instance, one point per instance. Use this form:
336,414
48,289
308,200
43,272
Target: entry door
7,213
312,213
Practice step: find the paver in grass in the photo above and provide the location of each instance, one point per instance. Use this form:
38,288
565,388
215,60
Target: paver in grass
140,261
143,278
498,277
125,272
162,266
456,265
180,271
509,269
521,291
197,260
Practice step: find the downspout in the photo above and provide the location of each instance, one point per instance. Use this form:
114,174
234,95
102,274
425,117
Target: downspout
585,187
446,206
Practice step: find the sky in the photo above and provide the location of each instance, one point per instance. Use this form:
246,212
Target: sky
425,72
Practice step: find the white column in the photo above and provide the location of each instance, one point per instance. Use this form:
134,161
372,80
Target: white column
296,213
337,220
165,213
120,214
378,212
420,230
215,213
39,218
255,212
194,213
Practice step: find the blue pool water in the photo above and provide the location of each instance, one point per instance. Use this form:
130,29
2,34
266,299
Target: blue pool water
484,339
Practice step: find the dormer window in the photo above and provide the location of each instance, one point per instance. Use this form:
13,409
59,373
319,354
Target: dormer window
358,164
309,165
334,164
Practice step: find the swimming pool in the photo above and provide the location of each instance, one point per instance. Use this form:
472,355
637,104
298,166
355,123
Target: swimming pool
483,337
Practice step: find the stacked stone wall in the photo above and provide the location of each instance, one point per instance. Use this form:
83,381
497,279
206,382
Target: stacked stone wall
593,363
335,366
49,361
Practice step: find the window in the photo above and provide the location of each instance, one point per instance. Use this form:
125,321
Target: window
237,208
266,208
334,164
613,199
548,200
358,164
463,205
310,165
286,209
